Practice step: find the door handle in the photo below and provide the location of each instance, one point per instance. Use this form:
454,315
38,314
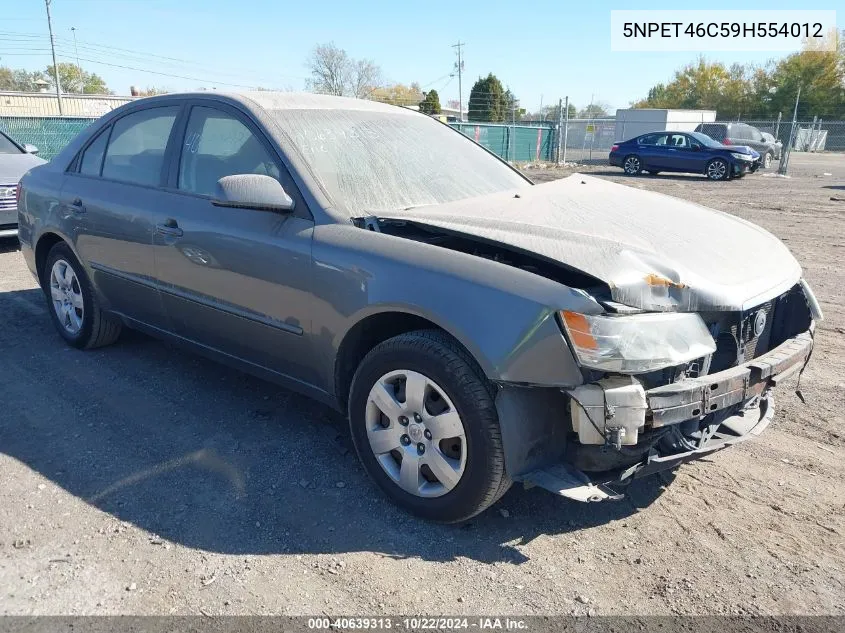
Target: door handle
169,228
76,206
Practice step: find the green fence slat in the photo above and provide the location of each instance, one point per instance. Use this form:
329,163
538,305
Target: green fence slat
48,134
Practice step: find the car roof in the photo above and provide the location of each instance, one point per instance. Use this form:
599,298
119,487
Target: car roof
277,100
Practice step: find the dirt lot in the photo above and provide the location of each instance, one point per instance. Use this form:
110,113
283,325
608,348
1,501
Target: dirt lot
141,479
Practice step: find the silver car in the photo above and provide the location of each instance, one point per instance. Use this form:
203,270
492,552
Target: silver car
476,328
15,161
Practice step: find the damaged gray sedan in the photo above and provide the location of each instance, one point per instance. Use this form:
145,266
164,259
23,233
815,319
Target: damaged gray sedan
477,329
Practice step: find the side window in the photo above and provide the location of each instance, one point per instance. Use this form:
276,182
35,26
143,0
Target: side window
754,134
653,139
92,157
678,140
136,150
218,144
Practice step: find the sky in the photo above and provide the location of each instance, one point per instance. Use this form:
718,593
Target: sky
543,51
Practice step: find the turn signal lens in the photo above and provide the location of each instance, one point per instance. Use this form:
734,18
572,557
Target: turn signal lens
579,330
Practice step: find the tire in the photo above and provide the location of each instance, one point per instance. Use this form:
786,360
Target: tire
83,324
718,169
768,157
632,165
456,385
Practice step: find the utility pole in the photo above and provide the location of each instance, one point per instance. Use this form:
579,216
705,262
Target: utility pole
565,128
559,129
78,67
460,68
784,161
55,65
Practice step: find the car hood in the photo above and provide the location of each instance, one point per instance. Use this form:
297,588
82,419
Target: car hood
14,166
653,251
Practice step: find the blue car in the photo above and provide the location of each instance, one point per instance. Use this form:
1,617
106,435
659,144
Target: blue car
687,152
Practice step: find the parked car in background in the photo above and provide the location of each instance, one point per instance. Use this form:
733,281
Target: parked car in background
15,161
776,144
742,134
687,152
476,328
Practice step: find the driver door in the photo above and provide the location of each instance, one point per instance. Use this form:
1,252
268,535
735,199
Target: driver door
234,280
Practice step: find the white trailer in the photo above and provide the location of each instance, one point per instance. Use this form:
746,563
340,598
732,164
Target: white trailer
631,122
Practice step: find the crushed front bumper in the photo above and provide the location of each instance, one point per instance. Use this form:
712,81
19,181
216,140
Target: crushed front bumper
746,389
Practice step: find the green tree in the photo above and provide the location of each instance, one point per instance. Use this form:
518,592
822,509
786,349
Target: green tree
75,80
151,91
431,103
594,110
487,100
18,80
398,94
761,91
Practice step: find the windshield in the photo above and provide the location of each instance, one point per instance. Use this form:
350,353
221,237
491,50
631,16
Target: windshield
705,140
376,161
7,147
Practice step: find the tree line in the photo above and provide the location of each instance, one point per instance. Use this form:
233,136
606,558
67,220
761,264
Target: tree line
72,79
753,91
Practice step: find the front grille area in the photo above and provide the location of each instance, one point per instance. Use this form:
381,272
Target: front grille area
743,336
8,199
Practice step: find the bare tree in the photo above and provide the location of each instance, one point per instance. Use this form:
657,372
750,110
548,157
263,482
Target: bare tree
333,72
364,78
330,67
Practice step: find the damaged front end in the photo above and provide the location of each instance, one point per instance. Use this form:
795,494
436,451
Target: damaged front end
620,427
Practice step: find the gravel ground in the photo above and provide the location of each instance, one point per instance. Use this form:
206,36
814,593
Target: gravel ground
139,479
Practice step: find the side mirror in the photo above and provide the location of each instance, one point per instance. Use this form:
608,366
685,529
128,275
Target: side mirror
30,149
696,148
252,191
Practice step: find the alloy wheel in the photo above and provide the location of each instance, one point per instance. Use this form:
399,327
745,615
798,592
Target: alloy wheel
416,433
717,170
66,295
632,165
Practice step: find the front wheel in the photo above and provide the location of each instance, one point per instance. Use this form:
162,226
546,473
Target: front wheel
767,160
425,427
632,165
718,169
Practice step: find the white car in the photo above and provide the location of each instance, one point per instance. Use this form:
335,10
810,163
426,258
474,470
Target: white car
15,161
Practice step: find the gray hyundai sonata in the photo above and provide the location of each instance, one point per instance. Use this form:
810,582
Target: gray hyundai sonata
476,328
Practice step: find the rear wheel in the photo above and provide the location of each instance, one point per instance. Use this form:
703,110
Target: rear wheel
632,165
718,169
425,427
72,303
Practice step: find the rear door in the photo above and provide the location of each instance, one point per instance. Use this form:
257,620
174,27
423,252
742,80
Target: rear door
652,150
234,280
756,140
109,199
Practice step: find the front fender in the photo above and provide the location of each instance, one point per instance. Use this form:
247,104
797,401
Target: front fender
504,316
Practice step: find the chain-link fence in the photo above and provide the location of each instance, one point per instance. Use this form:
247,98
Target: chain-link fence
590,140
581,140
48,134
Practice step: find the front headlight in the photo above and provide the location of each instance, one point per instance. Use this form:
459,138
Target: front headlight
739,156
637,343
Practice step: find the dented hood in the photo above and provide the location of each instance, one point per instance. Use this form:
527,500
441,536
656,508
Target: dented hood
655,252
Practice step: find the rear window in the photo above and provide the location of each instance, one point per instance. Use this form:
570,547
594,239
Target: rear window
7,147
92,157
136,149
716,131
